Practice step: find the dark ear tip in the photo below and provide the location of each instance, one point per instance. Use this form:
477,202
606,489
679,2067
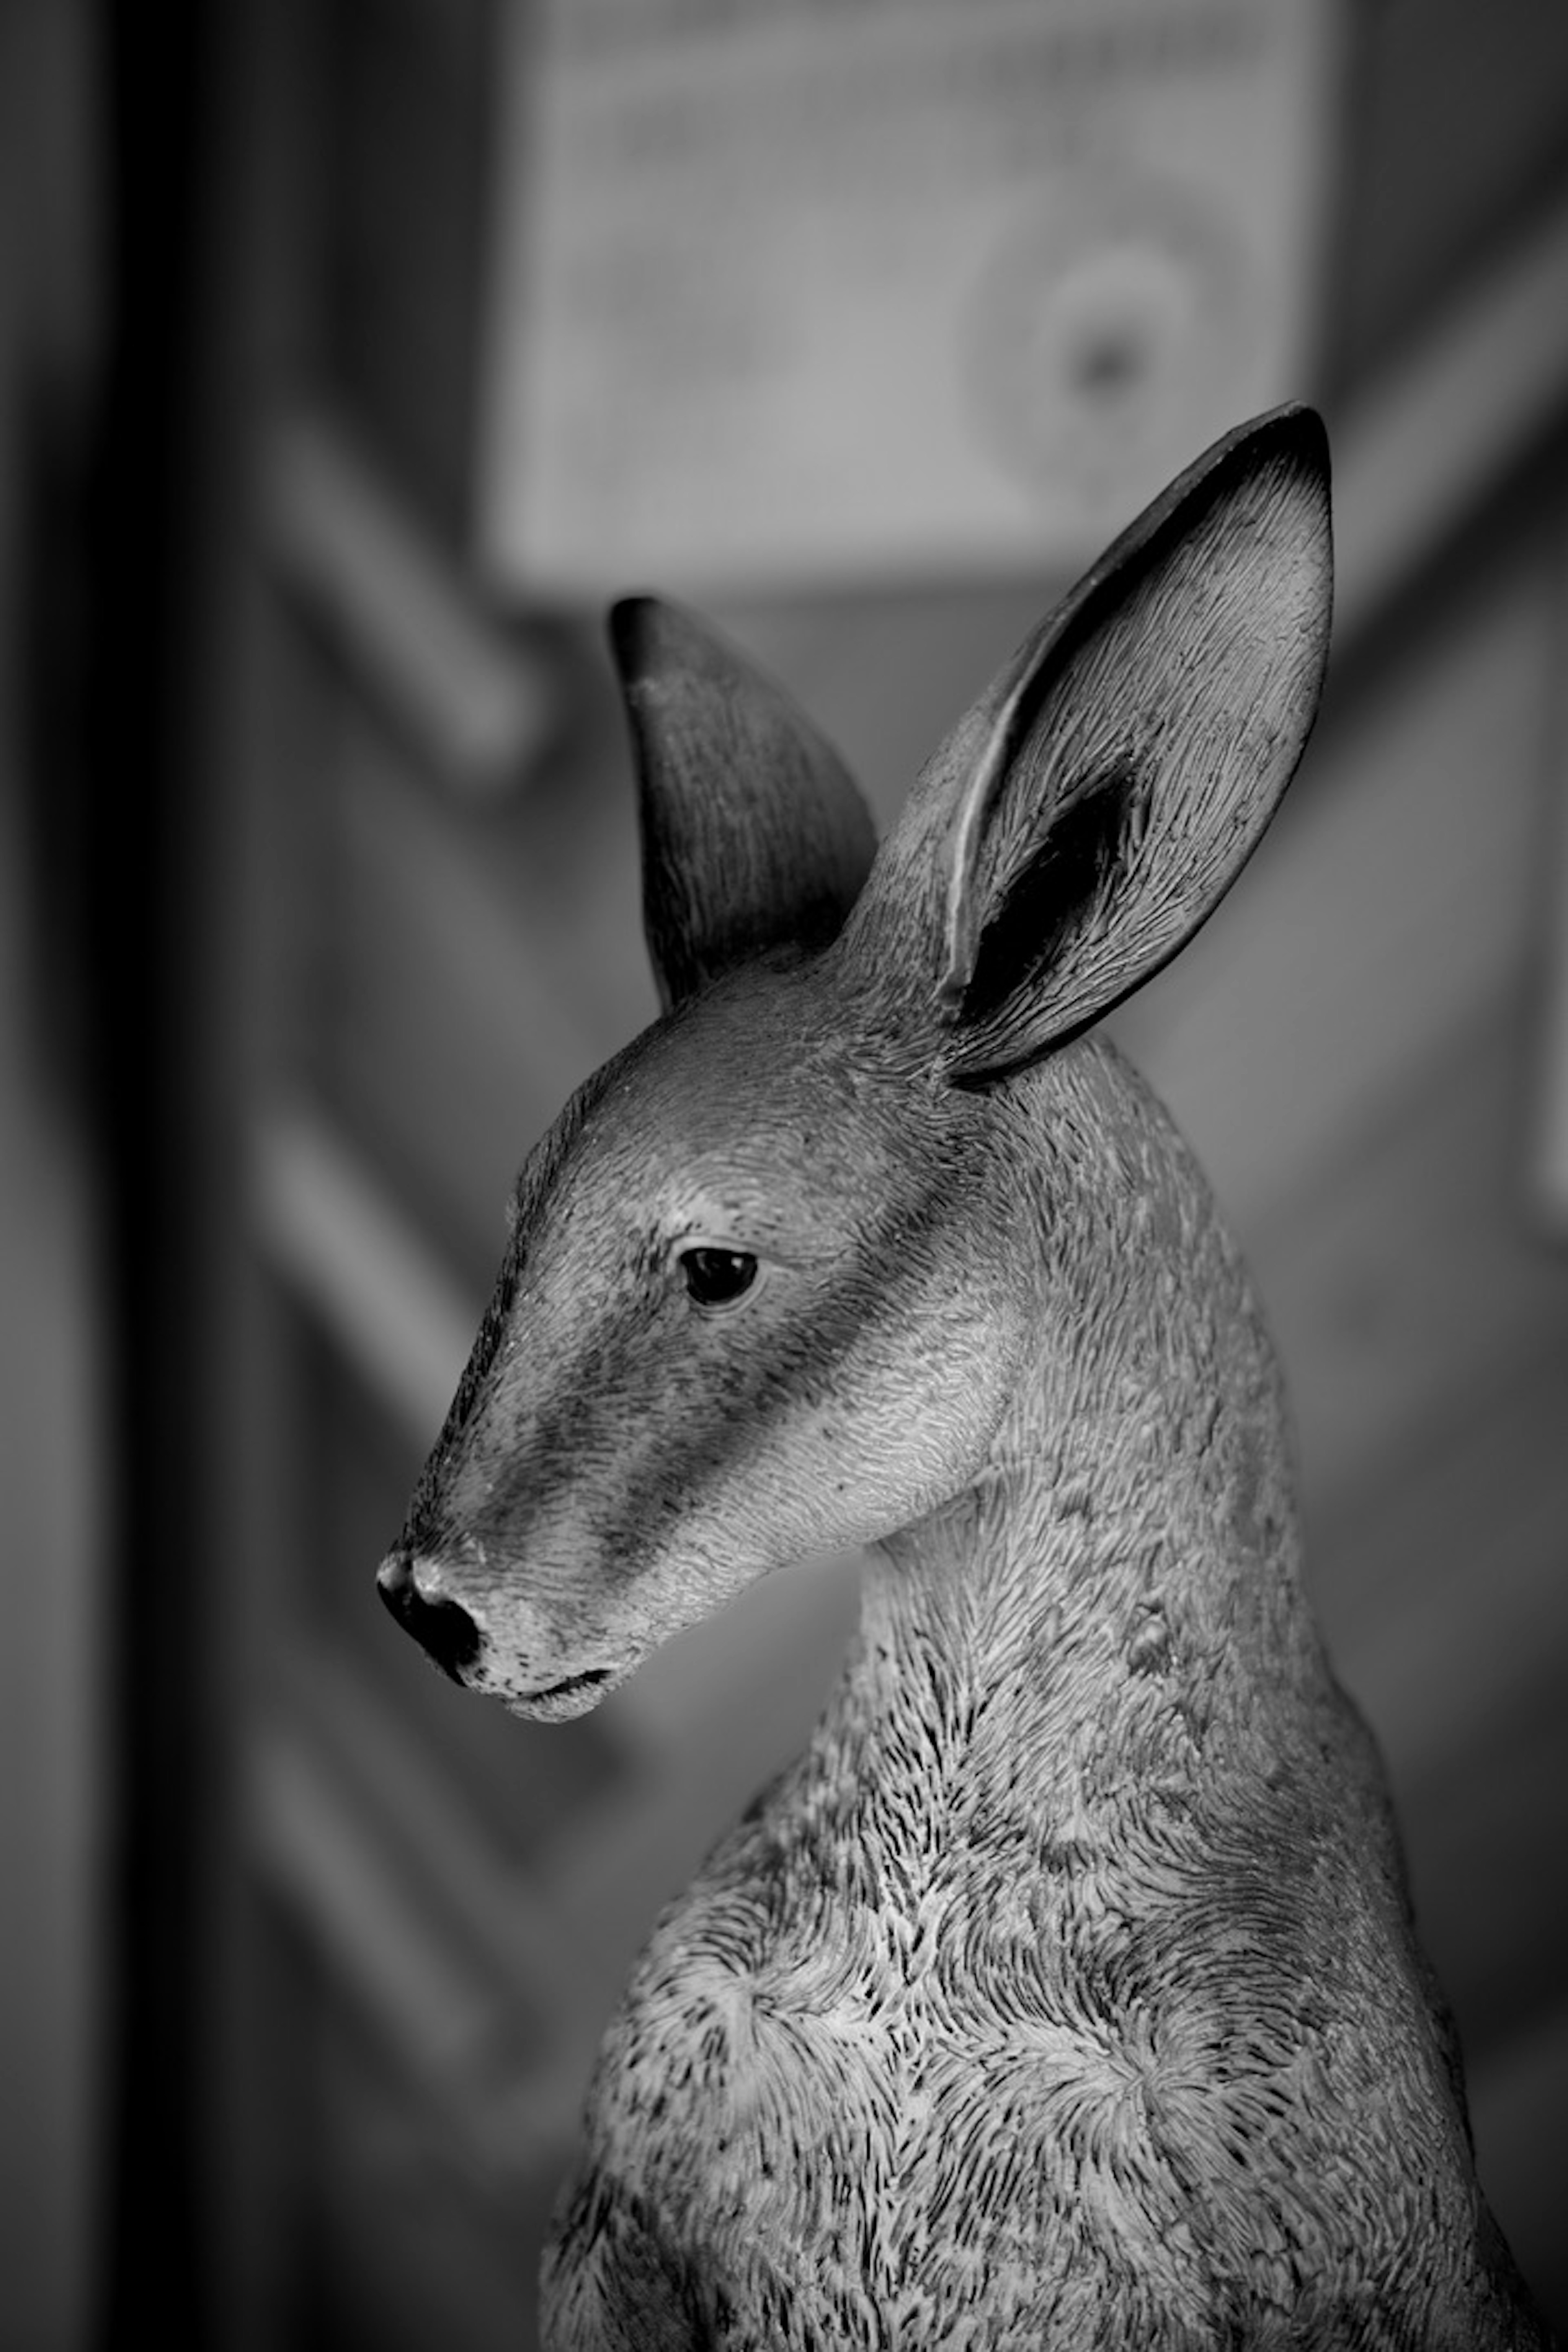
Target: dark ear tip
653,638
1293,433
633,624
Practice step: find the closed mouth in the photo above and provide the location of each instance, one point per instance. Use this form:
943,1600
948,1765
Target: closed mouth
558,1702
571,1685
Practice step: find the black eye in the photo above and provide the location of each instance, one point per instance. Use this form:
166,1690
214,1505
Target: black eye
716,1277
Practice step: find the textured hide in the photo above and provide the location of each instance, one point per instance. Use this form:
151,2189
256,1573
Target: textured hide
1063,1993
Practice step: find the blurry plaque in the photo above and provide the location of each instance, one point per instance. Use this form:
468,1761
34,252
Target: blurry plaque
793,294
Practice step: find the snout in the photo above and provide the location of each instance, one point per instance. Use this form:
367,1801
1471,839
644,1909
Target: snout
455,1637
442,1627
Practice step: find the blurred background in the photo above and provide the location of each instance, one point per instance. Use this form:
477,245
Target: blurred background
351,351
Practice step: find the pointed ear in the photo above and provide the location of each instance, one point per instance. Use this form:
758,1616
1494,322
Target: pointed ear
1092,809
753,836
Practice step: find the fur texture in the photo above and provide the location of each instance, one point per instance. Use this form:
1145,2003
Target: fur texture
1063,1993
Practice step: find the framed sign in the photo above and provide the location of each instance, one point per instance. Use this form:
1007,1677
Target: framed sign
804,295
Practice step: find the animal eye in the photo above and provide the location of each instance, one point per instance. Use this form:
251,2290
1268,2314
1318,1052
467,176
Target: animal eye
717,1277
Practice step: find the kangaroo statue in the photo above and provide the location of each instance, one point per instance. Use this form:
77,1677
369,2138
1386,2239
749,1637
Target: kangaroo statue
1064,1993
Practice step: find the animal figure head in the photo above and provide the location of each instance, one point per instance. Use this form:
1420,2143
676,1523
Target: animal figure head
772,1275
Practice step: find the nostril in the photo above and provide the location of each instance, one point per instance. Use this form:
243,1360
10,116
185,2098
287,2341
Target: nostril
443,1627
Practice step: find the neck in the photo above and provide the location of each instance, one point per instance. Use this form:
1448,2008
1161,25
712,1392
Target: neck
1116,1601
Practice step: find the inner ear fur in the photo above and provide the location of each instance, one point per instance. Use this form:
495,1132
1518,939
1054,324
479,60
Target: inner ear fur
1140,748
754,837
1092,809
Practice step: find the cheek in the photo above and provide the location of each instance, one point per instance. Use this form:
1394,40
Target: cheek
862,1436
919,1419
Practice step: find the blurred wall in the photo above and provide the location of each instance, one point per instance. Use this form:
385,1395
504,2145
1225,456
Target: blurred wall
365,909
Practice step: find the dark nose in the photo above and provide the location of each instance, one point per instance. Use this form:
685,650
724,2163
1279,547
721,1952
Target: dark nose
443,1627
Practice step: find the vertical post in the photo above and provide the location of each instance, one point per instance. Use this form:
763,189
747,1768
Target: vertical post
160,890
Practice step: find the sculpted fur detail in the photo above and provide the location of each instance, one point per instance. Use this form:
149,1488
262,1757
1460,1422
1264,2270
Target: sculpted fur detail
1065,1992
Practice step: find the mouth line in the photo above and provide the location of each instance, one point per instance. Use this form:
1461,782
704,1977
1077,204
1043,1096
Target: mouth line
569,1685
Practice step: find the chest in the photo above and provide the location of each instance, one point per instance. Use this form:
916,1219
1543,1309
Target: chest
1019,2090
982,2098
